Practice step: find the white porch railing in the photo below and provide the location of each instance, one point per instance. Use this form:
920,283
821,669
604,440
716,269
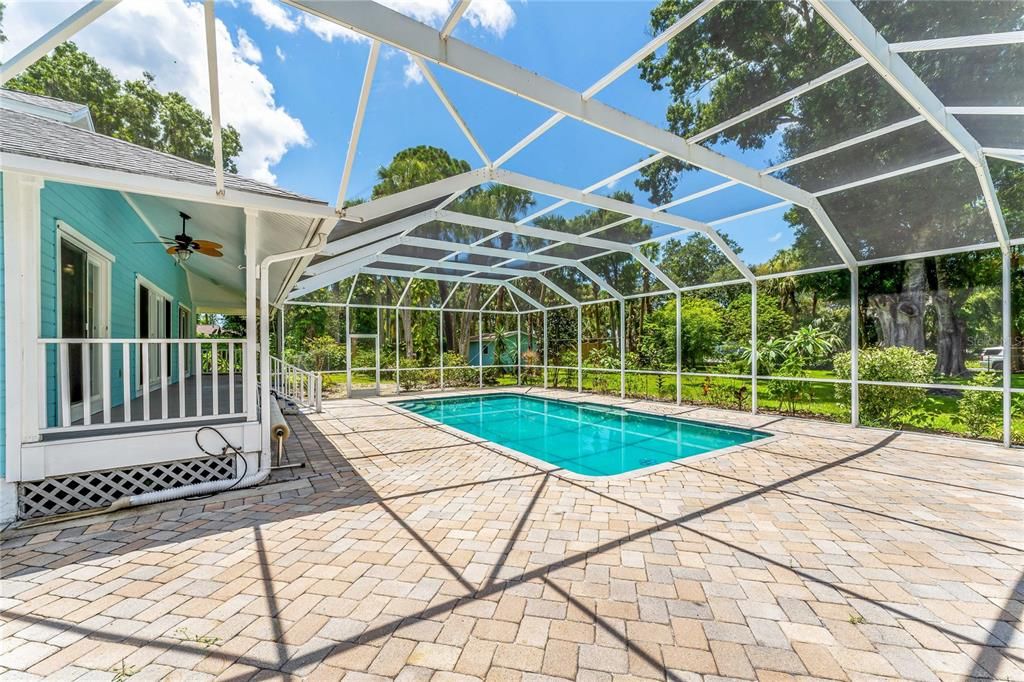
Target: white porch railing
88,384
297,384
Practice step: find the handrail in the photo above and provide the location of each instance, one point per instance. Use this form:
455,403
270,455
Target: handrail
300,385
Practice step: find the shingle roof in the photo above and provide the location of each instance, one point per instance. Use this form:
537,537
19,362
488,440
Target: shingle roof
40,137
43,101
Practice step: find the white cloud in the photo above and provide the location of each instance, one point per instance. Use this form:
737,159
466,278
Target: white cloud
495,16
247,48
775,237
279,52
328,30
167,39
273,15
413,74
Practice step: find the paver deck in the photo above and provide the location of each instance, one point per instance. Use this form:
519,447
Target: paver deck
404,550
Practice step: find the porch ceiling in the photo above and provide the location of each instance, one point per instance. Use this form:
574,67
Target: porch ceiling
218,284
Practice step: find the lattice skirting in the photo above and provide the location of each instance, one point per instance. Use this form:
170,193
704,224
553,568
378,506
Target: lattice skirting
94,489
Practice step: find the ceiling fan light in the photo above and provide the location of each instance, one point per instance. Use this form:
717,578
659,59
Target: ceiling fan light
182,255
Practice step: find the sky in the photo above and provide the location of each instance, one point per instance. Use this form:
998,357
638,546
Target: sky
290,82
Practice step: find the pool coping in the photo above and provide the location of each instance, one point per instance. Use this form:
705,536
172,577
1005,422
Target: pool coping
390,401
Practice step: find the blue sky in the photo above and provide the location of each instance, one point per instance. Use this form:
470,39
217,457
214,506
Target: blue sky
574,43
289,83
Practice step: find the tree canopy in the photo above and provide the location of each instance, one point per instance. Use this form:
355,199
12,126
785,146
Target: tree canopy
133,110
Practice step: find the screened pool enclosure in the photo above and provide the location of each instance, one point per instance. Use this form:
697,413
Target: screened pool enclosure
869,268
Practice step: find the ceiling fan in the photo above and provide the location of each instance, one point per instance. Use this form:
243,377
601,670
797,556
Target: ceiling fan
182,246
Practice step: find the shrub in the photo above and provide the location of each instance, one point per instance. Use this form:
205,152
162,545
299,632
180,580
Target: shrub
323,353
889,406
980,412
459,375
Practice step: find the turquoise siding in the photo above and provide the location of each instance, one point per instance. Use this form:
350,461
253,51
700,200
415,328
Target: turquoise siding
509,359
105,218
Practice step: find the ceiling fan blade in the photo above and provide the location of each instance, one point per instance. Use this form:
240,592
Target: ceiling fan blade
204,244
161,243
211,252
172,250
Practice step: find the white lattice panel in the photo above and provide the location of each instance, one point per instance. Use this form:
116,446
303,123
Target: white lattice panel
100,488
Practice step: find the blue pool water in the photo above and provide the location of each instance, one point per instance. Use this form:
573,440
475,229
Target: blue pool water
595,440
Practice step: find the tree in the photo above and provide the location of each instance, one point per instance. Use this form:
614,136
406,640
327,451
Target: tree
421,165
742,54
697,260
701,329
133,111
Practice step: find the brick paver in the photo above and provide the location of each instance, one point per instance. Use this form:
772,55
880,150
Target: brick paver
406,551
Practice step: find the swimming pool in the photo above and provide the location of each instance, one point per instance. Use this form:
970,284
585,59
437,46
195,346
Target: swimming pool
585,438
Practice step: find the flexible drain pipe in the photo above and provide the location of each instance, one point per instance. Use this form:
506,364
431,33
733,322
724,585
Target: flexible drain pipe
265,457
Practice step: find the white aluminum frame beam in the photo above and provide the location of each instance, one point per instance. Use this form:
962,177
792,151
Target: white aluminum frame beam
658,41
453,19
851,142
395,29
450,106
210,21
514,255
357,125
451,278
854,27
609,204
556,236
54,37
471,268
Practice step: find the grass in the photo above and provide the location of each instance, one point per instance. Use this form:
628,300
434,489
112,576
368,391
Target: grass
937,415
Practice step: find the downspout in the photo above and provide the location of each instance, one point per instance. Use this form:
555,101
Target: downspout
263,470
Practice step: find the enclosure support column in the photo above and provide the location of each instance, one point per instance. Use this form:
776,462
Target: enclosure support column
480,346
376,356
519,349
280,332
622,348
348,351
1007,350
398,351
753,347
252,228
679,349
440,344
855,347
579,349
545,349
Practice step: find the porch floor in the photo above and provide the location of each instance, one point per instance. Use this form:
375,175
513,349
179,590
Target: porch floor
404,550
137,406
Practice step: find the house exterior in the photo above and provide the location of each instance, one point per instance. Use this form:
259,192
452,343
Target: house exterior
509,357
104,380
